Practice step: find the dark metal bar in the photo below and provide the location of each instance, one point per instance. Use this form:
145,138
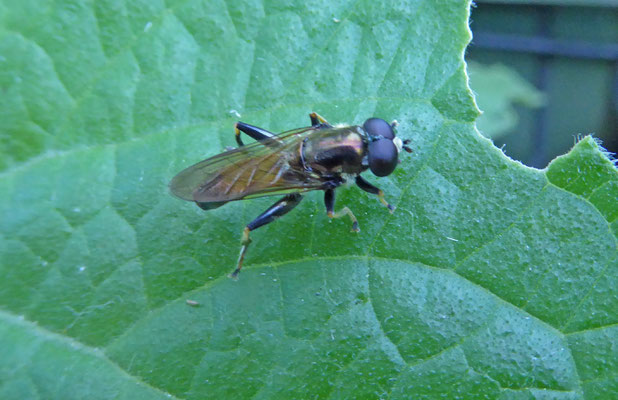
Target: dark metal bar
559,3
546,46
541,133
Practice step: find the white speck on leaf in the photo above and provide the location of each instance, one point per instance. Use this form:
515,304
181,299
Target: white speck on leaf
147,26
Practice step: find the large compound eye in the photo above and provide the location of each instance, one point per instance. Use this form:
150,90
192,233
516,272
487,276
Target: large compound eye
379,127
382,157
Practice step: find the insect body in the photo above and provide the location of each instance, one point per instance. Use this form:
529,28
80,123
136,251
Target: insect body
318,157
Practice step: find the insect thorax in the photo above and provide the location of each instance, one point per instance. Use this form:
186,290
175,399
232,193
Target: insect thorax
339,151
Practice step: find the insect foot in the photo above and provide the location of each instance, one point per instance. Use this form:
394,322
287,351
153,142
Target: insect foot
355,227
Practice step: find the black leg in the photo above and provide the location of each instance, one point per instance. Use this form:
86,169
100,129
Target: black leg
253,131
275,211
368,187
210,205
317,119
329,202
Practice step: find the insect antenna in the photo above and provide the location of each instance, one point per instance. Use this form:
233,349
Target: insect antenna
406,147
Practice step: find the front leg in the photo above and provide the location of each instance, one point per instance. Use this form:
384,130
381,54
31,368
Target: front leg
368,187
283,206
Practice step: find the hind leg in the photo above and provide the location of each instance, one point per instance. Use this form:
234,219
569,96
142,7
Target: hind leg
280,208
255,132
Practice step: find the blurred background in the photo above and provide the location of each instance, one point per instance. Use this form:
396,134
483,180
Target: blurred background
545,72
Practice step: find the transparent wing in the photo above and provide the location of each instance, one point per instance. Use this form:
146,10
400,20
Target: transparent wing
262,168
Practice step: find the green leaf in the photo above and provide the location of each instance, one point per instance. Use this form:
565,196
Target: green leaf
490,280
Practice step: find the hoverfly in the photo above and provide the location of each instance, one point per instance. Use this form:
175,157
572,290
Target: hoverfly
317,157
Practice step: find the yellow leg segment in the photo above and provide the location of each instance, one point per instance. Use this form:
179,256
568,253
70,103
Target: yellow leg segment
348,212
320,118
245,241
237,132
391,208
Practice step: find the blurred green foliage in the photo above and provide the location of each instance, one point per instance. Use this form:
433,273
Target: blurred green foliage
580,92
498,89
